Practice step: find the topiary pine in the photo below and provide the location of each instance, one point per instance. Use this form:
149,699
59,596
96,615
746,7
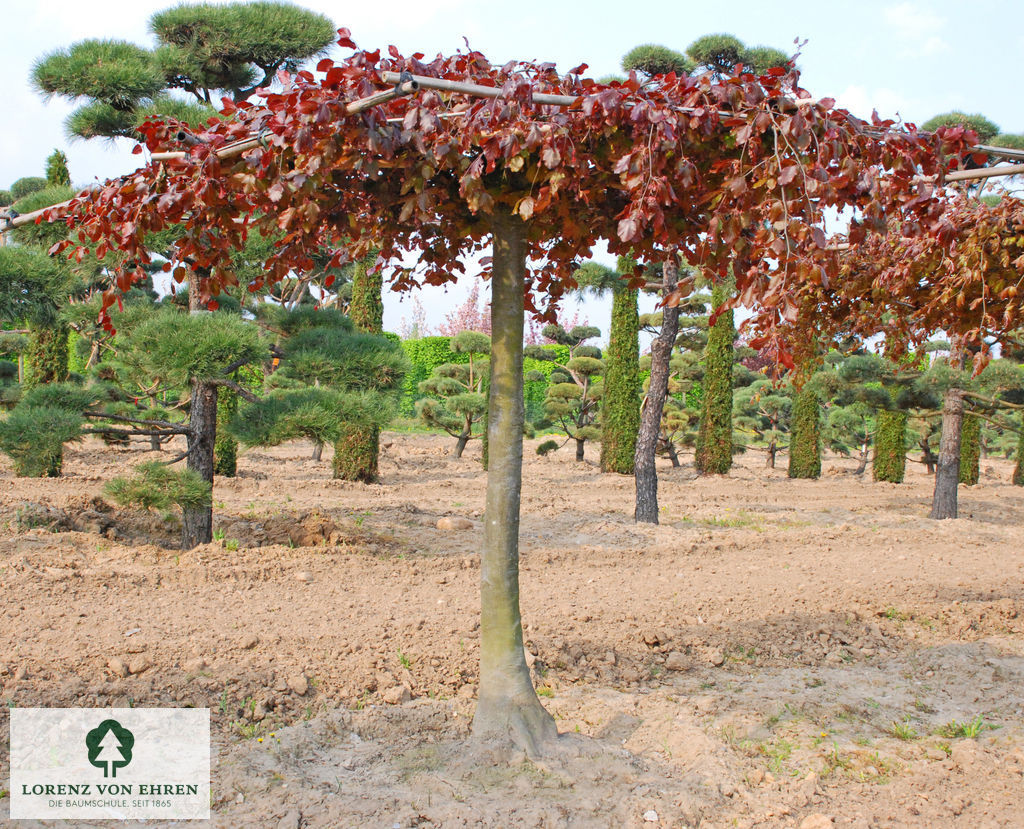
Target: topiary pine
620,404
458,401
57,173
805,439
1018,469
714,444
334,383
575,391
202,49
970,450
652,60
359,446
890,461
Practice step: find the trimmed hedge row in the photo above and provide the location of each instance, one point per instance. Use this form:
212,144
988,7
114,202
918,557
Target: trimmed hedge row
427,353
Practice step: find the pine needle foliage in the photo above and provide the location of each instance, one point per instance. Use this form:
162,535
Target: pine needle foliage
156,486
183,348
34,437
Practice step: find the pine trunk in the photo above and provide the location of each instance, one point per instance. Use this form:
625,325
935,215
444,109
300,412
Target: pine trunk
508,708
890,463
460,445
357,452
579,449
714,438
620,414
805,441
318,451
197,523
970,450
646,472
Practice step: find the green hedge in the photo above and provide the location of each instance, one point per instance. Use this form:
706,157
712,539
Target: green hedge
427,353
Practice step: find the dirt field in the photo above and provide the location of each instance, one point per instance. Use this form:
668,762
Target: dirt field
775,653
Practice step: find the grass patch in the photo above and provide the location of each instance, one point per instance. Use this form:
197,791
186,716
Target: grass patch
954,730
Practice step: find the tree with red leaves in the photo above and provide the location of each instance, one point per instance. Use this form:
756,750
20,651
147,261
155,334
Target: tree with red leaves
739,169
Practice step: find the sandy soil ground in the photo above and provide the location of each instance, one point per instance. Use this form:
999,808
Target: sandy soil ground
775,653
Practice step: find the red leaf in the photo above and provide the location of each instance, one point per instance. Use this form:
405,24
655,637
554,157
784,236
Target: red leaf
324,65
579,70
345,38
137,149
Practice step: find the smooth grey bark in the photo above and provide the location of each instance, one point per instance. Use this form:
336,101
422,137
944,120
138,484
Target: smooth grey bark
507,708
947,468
645,471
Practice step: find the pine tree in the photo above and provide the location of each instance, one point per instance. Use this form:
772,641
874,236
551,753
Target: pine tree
57,169
970,450
203,49
805,439
333,382
714,439
458,402
890,461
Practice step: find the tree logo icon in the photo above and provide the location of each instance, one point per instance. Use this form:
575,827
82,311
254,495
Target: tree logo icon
110,747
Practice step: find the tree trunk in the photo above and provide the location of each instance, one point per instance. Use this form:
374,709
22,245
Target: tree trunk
646,472
673,455
318,451
508,707
579,449
863,458
927,456
154,444
460,445
947,472
713,455
773,450
197,524
620,412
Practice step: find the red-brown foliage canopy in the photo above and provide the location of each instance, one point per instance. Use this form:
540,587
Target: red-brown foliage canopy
739,170
967,280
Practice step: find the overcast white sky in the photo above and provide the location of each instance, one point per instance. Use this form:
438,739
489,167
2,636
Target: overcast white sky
913,58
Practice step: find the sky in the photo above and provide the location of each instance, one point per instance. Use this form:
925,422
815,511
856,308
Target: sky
910,59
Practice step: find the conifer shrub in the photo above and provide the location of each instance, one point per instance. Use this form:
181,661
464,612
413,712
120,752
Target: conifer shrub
34,437
890,461
805,438
970,450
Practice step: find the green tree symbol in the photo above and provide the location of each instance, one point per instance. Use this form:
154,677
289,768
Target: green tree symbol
110,747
